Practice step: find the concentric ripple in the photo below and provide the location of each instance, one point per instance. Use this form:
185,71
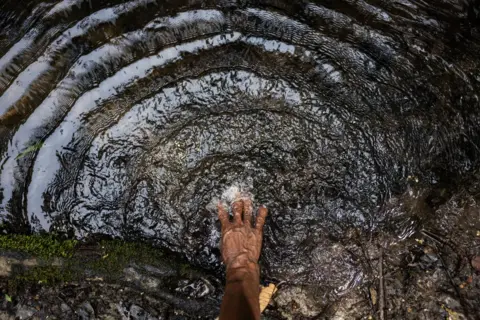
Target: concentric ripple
132,119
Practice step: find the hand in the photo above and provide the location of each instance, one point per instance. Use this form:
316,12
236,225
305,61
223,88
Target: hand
241,242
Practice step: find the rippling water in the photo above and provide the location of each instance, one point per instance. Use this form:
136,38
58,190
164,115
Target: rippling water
132,118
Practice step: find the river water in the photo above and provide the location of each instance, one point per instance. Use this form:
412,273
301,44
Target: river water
353,121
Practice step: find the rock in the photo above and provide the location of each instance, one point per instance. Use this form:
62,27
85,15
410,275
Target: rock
7,262
294,301
194,289
138,313
146,282
85,311
65,308
157,271
134,312
6,266
24,312
476,263
5,316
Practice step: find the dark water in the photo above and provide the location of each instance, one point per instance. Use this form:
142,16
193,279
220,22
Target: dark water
132,118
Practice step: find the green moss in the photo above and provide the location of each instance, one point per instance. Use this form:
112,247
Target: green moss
185,269
108,261
48,275
116,255
44,246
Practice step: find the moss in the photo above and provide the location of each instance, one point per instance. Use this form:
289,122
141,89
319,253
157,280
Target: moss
46,275
118,254
40,275
185,269
108,262
44,246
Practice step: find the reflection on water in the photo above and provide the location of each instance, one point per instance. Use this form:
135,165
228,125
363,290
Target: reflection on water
130,119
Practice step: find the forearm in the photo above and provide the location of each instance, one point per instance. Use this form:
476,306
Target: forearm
240,300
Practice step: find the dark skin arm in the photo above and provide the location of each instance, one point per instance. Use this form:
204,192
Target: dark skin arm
241,244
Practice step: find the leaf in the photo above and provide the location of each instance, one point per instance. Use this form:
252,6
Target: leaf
8,298
266,294
30,149
452,315
373,295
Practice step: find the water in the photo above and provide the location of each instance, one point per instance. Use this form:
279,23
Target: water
131,118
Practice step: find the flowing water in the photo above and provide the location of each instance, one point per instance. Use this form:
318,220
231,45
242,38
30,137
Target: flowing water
131,118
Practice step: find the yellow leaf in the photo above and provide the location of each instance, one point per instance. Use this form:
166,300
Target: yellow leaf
452,315
373,295
419,241
266,294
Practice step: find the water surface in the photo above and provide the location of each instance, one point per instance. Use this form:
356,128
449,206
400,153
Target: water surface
131,118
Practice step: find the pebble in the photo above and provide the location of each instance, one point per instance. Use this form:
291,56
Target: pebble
476,263
24,312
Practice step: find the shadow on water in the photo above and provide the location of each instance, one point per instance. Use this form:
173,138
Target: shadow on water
355,122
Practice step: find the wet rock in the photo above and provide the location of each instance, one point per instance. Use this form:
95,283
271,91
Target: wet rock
144,281
85,311
164,271
135,312
138,313
353,306
24,312
194,289
5,267
294,302
65,308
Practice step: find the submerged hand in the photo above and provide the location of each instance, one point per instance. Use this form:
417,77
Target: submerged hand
241,242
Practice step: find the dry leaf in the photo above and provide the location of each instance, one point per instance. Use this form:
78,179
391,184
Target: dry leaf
373,295
266,294
452,315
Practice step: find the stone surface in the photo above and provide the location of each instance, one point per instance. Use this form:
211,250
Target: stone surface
24,312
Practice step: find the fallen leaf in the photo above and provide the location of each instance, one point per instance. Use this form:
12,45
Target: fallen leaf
94,279
30,149
266,294
452,315
8,298
373,295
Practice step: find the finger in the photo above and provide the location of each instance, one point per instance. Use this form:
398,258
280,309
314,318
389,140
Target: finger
247,211
261,216
222,215
237,212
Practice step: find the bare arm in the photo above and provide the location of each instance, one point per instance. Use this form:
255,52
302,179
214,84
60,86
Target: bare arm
241,245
